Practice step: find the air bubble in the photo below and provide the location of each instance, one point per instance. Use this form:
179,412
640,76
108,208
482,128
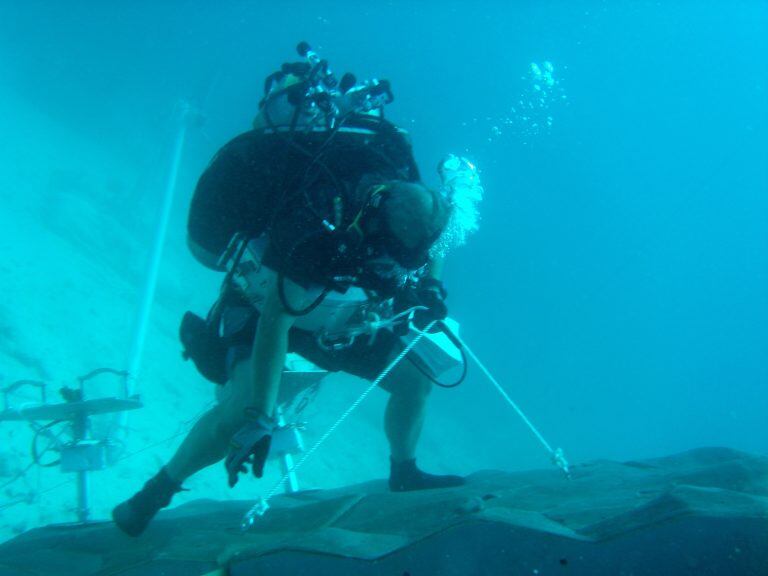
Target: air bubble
532,115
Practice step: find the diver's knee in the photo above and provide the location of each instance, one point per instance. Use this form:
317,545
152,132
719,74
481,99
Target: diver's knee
228,422
229,415
423,386
238,391
414,388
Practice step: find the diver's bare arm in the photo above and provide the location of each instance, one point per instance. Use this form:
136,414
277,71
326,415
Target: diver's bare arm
271,346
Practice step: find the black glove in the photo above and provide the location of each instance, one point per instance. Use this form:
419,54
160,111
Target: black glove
250,445
429,293
432,294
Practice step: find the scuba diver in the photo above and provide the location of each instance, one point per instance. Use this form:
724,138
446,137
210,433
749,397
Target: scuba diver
319,219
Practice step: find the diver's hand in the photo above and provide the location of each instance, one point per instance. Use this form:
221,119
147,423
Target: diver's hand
249,445
431,294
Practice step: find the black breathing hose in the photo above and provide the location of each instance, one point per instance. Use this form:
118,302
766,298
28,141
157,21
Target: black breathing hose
300,311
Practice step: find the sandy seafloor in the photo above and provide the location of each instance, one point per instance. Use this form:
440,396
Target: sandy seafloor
70,282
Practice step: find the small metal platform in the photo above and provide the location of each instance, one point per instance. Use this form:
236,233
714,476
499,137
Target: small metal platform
81,454
69,410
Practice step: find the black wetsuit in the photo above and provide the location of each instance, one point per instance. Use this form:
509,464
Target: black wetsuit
265,184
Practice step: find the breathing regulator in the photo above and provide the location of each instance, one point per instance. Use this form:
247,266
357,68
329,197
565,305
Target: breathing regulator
306,95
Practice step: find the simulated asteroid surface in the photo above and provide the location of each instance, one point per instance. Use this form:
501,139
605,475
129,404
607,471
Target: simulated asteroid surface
699,512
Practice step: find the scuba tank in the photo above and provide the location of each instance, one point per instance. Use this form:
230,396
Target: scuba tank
302,109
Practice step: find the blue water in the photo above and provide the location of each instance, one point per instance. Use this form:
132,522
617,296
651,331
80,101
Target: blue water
618,285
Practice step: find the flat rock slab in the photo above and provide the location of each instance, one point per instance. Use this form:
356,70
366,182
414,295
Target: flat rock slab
699,512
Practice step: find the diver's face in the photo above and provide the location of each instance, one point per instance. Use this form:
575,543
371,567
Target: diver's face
409,258
387,244
383,273
395,239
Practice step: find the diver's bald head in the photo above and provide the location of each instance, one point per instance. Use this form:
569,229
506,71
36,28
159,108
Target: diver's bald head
413,213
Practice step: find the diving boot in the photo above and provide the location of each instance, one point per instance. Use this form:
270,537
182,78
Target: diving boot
133,515
406,476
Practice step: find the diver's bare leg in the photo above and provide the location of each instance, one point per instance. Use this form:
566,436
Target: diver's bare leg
403,422
206,443
405,412
254,385
208,440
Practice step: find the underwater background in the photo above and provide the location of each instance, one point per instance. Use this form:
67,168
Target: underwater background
617,287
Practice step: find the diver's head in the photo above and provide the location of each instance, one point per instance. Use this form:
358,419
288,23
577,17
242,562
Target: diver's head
404,221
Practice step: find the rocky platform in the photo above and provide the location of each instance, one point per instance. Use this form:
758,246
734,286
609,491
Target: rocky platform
700,512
